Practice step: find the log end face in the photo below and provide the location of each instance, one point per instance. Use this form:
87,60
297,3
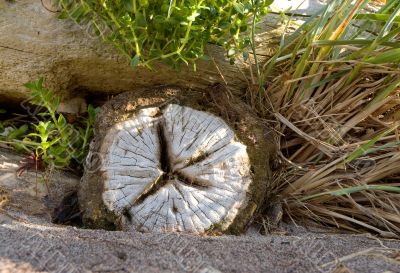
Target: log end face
171,168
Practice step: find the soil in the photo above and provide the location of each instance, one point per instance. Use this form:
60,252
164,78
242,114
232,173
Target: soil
29,242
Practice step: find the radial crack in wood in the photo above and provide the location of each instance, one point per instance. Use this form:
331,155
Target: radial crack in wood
204,190
168,167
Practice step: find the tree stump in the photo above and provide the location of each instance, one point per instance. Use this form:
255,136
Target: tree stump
176,160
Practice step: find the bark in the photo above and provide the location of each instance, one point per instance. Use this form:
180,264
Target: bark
176,160
35,43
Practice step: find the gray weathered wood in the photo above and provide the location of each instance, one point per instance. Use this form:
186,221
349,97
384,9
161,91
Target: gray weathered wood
176,160
35,43
175,169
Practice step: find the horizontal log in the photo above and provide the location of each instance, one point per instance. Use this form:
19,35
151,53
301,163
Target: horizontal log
35,43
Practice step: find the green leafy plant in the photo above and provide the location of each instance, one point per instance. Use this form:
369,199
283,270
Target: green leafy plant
173,32
50,137
56,141
11,132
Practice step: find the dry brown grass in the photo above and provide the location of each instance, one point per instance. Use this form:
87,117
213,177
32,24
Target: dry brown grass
335,98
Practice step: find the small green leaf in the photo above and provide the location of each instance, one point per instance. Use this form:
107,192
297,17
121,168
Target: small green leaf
376,17
144,3
362,150
239,7
245,55
135,60
56,103
140,20
18,133
205,57
128,5
192,17
61,120
390,56
91,113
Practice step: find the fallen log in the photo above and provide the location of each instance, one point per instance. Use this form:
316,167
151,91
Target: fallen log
34,43
176,160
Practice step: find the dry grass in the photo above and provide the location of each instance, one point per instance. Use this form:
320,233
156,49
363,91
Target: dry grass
336,102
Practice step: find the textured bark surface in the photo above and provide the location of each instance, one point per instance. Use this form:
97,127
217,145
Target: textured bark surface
162,160
35,43
74,62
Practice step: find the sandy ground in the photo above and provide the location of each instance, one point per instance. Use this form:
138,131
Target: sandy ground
30,243
28,247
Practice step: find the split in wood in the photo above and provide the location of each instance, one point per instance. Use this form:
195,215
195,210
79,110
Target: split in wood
174,169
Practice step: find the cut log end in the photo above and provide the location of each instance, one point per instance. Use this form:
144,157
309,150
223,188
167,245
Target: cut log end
174,169
170,168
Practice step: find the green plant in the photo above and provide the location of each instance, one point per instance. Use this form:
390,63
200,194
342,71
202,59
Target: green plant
55,140
50,137
173,32
11,130
2,111
334,89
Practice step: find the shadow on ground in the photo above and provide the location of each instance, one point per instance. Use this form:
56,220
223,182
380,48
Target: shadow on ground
30,243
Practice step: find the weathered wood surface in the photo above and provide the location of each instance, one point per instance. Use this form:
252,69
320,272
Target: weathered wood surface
74,62
176,160
35,43
24,192
175,169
